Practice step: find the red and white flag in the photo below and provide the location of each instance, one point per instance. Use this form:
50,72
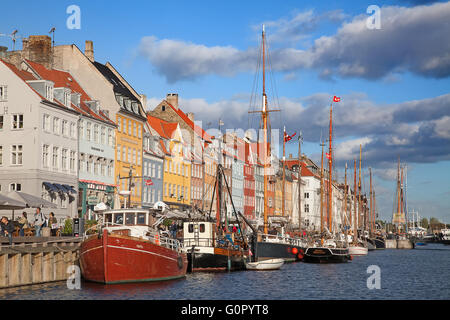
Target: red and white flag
336,99
148,182
328,155
288,137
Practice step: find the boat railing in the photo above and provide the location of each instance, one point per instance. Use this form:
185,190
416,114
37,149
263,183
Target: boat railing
198,242
282,239
151,235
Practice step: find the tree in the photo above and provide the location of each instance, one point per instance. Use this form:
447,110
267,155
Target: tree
424,223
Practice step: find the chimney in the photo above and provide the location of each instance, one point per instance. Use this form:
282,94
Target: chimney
172,98
89,50
190,115
3,52
144,101
38,49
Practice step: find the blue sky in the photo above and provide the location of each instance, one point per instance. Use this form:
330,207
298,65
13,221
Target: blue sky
397,76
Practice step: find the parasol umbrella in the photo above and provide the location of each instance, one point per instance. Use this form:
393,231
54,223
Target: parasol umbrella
30,201
7,203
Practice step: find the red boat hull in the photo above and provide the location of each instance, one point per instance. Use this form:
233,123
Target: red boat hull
119,259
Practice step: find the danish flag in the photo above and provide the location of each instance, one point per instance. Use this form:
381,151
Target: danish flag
328,155
336,99
288,137
148,182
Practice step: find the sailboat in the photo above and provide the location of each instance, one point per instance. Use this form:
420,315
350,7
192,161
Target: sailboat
266,246
357,247
330,249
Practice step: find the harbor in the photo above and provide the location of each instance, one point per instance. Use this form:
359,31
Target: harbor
405,275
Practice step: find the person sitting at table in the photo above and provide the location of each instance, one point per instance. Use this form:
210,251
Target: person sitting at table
23,223
7,229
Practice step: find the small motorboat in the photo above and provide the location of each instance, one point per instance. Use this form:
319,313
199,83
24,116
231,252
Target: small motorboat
270,264
357,250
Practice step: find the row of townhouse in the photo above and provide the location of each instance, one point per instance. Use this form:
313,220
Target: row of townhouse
75,132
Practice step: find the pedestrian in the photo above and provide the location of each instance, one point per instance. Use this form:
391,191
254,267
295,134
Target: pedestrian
173,229
39,221
52,224
23,223
7,229
234,229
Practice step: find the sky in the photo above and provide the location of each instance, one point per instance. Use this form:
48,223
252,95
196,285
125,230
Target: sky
394,81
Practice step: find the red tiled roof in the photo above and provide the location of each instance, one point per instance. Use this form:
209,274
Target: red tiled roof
202,133
65,79
163,128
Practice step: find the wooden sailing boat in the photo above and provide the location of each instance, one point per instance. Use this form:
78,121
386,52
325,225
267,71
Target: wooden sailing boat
357,247
267,246
329,249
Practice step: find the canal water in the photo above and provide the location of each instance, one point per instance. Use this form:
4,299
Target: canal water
422,273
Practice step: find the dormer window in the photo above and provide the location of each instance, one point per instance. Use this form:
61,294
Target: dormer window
67,99
3,95
49,93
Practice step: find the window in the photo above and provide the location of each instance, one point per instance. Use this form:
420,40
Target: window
306,195
119,124
81,129
139,131
129,127
129,155
73,133
65,128
88,166
103,135
15,187
72,161
17,121
134,129
103,169
96,164
16,154
56,125
119,151
88,131
55,157
3,93
1,122
110,138
134,156
139,157
49,93
96,137
124,154
64,159
159,172
306,207
153,175
1,155
141,218
110,169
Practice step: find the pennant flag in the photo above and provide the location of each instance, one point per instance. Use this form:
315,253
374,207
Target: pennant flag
328,155
288,137
336,99
148,182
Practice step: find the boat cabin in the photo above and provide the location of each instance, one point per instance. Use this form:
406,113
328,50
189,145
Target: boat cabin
198,233
132,222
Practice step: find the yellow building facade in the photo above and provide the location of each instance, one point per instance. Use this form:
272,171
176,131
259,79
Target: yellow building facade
129,135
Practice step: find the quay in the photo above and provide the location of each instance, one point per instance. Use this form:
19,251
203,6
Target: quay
399,244
34,260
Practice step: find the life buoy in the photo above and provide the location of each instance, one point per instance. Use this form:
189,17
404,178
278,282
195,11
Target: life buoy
301,254
157,239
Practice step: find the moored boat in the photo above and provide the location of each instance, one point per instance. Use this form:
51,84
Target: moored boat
328,253
127,248
269,264
357,250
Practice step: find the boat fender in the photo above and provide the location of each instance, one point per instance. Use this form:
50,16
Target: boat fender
301,254
157,239
351,257
180,262
294,251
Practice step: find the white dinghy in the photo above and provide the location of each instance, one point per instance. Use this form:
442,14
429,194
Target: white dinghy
270,264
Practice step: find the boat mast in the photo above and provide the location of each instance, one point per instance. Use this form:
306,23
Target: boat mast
355,223
321,192
359,190
345,193
299,181
371,203
330,180
284,173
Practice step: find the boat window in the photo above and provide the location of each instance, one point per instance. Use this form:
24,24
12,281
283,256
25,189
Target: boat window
118,218
108,217
141,218
129,218
202,227
191,228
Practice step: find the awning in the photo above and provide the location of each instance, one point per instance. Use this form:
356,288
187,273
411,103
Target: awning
50,186
69,188
60,187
